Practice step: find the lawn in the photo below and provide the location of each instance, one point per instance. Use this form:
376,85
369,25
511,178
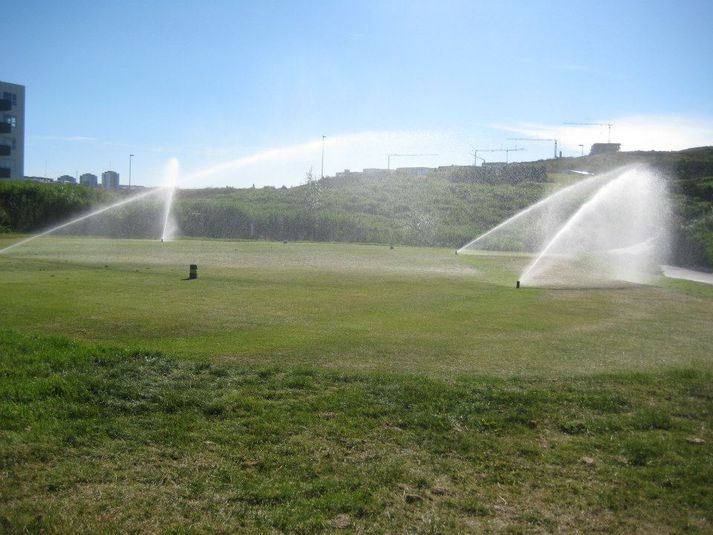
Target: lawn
308,387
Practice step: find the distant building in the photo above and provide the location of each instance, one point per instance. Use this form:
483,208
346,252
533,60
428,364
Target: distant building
110,180
347,174
43,179
12,131
494,165
414,171
376,172
89,180
604,148
66,179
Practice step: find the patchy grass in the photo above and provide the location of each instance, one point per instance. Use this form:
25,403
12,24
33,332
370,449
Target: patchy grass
107,440
318,387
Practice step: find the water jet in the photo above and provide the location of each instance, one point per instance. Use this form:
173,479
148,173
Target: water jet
602,231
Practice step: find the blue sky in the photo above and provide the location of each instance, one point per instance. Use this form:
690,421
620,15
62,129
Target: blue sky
240,92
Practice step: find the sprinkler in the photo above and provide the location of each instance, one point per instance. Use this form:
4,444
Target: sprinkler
517,284
193,272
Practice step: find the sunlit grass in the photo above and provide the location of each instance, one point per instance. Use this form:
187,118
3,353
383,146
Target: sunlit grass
346,307
127,440
311,387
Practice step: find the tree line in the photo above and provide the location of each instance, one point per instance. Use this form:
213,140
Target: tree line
427,211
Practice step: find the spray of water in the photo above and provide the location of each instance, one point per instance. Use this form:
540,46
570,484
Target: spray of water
173,181
620,234
133,198
169,224
604,230
528,229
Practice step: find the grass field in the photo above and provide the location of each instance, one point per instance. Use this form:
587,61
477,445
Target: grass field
307,387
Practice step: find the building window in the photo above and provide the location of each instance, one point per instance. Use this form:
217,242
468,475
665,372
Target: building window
11,120
12,97
7,163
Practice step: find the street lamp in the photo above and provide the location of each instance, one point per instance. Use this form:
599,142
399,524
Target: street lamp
130,157
581,147
323,138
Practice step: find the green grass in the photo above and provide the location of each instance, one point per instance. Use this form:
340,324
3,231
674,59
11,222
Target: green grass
342,307
312,387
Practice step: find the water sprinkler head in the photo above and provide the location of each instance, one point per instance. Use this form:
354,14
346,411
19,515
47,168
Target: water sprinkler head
517,285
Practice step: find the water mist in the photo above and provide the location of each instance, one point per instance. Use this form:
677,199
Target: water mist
605,230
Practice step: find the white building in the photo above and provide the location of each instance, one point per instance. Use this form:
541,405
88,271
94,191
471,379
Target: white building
12,131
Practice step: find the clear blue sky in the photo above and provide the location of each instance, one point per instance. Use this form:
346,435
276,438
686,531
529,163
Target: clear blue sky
216,81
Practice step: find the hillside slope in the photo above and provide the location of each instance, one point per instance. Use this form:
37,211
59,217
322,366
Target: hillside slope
446,207
428,210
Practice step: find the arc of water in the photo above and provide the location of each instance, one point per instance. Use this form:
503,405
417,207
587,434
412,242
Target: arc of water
82,218
578,215
223,166
548,199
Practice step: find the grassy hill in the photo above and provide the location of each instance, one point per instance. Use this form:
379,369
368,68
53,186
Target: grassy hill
447,207
438,209
396,208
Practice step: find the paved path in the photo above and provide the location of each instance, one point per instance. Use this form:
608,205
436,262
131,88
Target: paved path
674,272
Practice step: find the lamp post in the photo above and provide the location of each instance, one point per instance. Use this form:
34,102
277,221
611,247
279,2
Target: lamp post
323,138
130,158
581,147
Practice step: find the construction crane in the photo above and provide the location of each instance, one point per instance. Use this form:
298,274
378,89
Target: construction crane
506,151
476,151
394,155
608,125
535,139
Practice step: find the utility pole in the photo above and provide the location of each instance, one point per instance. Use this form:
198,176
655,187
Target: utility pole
323,138
131,156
